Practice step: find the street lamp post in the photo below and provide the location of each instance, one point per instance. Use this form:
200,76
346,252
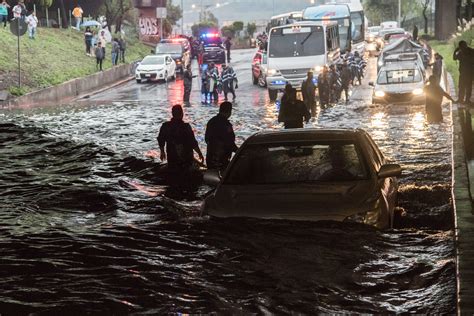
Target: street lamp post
399,13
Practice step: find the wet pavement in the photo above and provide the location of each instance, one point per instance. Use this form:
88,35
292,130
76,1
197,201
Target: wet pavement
73,239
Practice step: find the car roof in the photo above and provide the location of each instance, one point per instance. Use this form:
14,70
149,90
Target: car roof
400,65
156,55
303,135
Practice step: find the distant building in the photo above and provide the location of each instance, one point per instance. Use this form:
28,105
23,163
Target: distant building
149,22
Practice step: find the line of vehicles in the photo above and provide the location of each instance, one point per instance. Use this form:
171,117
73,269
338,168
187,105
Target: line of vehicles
401,65
172,55
308,40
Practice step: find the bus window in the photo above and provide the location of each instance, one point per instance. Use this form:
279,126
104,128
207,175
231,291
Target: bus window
357,19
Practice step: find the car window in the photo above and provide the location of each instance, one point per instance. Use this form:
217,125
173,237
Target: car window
399,76
165,48
375,152
298,163
155,60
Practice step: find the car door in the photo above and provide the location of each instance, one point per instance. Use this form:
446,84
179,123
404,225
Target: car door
389,186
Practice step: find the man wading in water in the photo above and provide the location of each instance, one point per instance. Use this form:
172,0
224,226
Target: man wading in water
178,137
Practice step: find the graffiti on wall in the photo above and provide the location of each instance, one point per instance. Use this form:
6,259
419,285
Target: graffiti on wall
148,26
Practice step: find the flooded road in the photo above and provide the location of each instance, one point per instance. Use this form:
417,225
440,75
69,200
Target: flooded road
74,240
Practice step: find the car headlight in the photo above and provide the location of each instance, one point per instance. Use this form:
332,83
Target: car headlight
418,91
272,72
318,68
379,93
380,63
369,218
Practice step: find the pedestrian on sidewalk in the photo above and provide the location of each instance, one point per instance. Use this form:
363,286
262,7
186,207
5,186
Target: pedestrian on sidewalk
19,11
123,47
4,6
465,55
115,51
77,13
434,98
99,56
32,22
88,40
103,41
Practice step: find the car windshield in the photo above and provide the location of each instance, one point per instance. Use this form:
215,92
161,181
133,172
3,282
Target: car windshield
169,49
153,60
313,162
399,76
302,44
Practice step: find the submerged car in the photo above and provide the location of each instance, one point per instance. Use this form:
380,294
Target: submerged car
401,82
156,67
308,175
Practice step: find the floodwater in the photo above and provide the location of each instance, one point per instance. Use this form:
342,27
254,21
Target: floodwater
73,239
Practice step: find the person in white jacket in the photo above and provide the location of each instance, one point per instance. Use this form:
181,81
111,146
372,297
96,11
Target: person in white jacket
32,21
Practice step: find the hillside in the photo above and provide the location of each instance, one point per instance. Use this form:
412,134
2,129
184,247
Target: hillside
54,57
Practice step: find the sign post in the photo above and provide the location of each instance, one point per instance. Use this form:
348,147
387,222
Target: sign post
161,14
18,27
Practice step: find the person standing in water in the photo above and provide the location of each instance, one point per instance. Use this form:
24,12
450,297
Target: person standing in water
434,98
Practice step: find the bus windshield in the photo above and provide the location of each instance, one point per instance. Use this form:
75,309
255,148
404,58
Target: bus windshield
288,44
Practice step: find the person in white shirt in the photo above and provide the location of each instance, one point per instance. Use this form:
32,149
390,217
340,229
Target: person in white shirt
32,21
18,10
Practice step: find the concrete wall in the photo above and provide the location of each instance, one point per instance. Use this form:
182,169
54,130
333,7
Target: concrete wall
70,89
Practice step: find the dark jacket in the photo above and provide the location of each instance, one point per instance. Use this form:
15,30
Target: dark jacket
220,139
180,143
187,79
308,89
466,59
99,52
293,112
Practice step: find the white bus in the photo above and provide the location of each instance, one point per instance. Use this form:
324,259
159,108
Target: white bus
333,12
285,18
357,23
295,49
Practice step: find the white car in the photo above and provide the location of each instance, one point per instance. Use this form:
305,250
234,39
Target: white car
156,67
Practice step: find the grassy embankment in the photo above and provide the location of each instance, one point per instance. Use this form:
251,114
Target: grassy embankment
54,57
446,49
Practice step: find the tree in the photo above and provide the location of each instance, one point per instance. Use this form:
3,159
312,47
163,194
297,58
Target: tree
228,31
426,4
251,28
115,11
238,26
203,27
43,3
172,17
387,10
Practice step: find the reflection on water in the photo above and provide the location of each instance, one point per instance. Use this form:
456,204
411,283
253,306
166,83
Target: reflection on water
74,239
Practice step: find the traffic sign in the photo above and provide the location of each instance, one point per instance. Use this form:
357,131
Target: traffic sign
161,13
18,27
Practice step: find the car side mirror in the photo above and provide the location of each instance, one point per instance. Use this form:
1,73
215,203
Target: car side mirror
212,177
371,83
390,170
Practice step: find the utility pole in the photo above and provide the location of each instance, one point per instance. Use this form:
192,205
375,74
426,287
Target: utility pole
182,16
399,13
